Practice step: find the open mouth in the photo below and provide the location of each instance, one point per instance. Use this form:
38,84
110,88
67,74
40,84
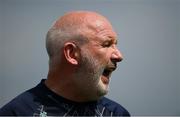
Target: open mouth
107,72
106,75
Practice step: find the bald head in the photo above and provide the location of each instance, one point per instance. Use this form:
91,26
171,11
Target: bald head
80,19
83,53
78,26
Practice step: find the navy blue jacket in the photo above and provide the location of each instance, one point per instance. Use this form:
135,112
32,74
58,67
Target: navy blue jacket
41,101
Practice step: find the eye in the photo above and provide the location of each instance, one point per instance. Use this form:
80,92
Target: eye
107,44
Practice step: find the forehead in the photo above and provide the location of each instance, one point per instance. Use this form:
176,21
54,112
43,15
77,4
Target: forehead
105,32
102,30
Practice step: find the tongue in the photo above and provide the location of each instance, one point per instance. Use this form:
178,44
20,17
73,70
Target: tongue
105,79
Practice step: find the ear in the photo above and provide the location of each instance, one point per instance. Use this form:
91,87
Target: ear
71,53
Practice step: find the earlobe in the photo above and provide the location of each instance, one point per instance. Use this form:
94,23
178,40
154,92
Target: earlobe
71,53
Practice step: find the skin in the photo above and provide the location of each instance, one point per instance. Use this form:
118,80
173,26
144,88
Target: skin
78,72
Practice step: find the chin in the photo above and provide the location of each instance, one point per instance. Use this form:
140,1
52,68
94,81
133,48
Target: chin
102,88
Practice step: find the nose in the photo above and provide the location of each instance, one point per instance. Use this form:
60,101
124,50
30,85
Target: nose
116,56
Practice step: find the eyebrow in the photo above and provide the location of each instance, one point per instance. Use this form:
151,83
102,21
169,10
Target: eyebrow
112,39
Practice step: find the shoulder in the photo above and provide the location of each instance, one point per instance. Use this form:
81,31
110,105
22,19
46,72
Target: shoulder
24,104
114,107
18,105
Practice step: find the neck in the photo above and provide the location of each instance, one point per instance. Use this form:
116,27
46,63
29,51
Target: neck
63,85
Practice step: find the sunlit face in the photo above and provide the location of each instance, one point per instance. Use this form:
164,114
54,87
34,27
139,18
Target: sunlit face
98,60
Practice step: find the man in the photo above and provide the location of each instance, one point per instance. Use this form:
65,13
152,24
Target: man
82,55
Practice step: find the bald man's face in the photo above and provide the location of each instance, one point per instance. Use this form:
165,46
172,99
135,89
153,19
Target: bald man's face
98,60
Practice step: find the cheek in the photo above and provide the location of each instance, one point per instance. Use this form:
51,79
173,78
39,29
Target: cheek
100,55
104,56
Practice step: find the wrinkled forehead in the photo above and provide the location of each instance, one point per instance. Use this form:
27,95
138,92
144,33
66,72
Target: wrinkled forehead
102,28
98,23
